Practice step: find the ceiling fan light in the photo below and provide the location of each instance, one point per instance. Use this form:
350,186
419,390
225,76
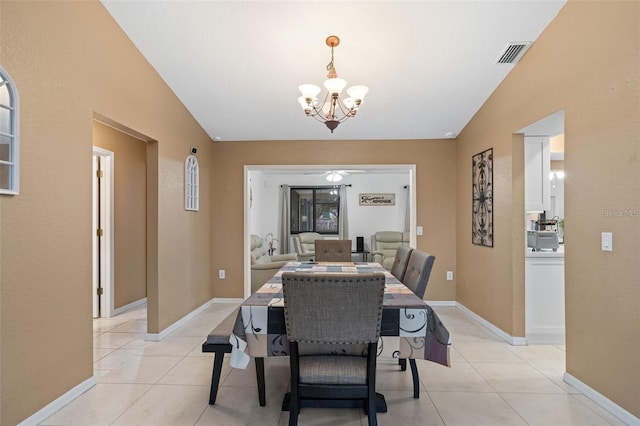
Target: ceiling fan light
335,85
334,177
357,92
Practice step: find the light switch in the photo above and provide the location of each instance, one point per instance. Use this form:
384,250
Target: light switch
419,230
607,241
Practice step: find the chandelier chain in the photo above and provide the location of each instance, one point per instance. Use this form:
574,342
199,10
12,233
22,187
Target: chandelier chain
330,64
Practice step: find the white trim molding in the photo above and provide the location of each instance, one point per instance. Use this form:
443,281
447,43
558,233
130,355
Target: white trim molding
513,340
441,303
58,403
130,307
602,400
156,337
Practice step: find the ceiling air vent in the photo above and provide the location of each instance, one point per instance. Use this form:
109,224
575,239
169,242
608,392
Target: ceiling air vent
513,52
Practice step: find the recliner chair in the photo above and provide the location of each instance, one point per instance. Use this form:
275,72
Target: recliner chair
263,266
384,245
304,244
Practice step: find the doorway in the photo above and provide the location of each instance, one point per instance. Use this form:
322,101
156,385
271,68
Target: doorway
102,246
128,212
306,174
544,205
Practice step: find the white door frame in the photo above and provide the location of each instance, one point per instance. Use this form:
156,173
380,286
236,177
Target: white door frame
410,168
106,242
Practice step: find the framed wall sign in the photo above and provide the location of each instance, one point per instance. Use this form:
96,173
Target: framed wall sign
482,198
377,199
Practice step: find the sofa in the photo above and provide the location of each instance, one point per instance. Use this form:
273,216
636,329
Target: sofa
263,266
384,245
304,243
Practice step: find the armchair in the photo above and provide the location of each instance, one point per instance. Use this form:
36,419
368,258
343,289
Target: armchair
263,266
304,243
384,245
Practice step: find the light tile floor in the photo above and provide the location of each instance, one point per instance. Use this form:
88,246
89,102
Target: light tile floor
167,383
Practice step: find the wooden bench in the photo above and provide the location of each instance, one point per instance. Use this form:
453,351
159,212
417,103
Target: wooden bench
218,343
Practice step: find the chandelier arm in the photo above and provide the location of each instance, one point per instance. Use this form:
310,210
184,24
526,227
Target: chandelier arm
347,112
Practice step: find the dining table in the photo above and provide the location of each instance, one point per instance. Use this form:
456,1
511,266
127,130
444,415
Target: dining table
410,328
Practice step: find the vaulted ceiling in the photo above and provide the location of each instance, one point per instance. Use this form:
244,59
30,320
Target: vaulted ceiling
237,65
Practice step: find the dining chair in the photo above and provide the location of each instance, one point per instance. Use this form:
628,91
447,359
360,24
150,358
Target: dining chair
416,278
400,262
332,309
333,250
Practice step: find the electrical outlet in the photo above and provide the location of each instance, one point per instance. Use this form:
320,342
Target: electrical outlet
221,274
449,275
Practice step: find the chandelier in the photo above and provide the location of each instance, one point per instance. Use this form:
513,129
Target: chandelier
333,110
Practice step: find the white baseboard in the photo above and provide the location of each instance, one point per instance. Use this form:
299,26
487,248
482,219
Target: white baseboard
58,403
156,337
228,300
441,302
131,306
545,335
602,400
515,341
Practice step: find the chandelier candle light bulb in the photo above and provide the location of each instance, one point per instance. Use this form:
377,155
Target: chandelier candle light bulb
333,110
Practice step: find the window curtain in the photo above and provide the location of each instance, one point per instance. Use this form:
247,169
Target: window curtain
343,222
407,209
285,219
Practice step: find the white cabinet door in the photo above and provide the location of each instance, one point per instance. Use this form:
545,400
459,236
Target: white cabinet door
544,300
537,163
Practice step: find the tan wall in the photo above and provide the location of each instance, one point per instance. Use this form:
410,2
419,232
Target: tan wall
435,185
592,74
70,60
130,212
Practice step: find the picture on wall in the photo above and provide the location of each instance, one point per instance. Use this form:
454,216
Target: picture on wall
377,199
482,199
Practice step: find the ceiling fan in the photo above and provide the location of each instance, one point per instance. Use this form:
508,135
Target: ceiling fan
336,175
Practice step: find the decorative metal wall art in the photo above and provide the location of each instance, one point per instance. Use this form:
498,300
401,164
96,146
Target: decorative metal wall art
482,199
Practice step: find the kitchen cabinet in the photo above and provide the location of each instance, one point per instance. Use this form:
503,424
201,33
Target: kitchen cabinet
544,298
537,163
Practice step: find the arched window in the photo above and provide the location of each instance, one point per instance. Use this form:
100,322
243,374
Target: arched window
191,184
9,142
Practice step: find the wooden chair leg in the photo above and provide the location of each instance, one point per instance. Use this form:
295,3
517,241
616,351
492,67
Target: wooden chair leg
260,380
416,380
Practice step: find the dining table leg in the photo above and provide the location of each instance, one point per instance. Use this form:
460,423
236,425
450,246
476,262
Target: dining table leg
260,380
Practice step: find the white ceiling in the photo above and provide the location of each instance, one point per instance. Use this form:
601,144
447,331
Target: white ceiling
236,65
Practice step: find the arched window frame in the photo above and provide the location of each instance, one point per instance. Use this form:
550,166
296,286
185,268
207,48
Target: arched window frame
9,136
191,184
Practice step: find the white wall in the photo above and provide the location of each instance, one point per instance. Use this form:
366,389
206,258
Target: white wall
363,220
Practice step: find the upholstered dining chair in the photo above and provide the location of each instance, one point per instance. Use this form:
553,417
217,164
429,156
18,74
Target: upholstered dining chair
416,277
332,309
333,250
400,262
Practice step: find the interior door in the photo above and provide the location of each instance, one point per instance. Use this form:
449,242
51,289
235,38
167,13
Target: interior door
97,289
102,233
